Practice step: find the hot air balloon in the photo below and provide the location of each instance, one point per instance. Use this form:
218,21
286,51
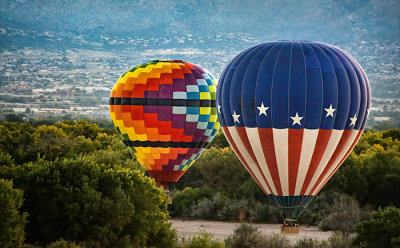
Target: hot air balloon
164,112
293,111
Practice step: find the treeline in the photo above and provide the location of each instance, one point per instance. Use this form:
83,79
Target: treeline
369,178
76,181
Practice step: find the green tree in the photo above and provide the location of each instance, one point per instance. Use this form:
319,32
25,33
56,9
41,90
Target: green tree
51,142
372,172
18,139
182,200
81,128
217,168
219,141
12,220
381,230
93,204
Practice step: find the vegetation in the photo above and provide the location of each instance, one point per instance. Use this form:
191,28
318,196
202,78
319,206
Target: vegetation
381,230
12,220
368,179
248,235
202,240
80,184
74,184
341,215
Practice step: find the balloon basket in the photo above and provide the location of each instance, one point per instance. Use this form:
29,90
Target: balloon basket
290,226
290,230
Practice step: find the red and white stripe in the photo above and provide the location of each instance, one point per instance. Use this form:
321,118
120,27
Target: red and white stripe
288,162
352,138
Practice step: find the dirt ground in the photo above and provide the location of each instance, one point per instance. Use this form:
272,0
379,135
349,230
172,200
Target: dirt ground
222,229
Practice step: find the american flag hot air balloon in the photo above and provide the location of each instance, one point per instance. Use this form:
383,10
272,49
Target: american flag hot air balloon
164,112
293,111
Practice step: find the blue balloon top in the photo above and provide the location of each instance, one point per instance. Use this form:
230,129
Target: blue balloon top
293,84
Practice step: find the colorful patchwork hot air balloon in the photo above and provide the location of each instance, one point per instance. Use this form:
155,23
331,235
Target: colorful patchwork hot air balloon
293,111
164,112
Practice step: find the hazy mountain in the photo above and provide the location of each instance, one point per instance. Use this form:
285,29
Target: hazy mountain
314,20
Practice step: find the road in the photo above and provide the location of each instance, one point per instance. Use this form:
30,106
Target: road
222,229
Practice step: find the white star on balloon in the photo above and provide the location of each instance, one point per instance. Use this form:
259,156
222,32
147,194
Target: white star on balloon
353,120
235,117
329,111
296,119
263,109
219,109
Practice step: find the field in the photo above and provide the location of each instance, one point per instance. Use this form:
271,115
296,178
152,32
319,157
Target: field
222,229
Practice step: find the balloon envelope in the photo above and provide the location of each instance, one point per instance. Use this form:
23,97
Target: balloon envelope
164,112
293,111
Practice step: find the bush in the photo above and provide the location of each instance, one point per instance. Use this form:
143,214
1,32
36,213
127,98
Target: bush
93,204
276,241
63,244
239,210
12,221
342,215
204,209
210,209
202,240
381,230
29,246
338,240
307,243
246,236
183,200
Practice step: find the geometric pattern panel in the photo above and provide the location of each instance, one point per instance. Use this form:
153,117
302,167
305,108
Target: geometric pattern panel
164,112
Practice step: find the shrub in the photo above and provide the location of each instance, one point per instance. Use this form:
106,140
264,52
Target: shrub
276,241
63,244
342,215
381,230
164,238
204,209
338,240
306,243
29,246
12,221
240,209
93,204
246,236
202,240
183,200
212,209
